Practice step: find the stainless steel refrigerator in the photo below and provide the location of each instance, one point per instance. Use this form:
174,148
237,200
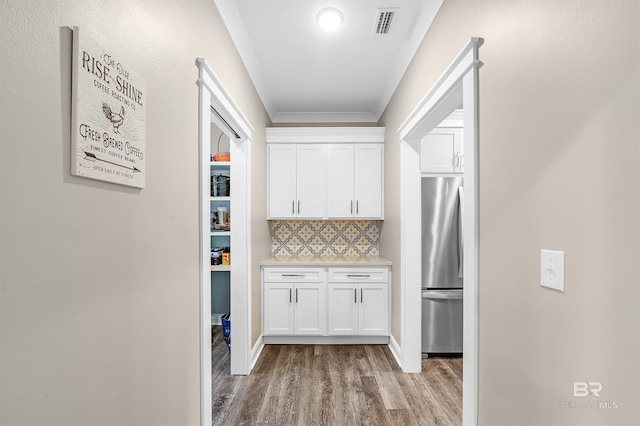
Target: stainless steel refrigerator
442,254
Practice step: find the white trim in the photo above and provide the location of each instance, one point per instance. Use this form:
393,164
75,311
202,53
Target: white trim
447,83
204,134
213,94
470,224
316,135
325,117
256,351
221,99
240,292
395,349
410,257
235,26
456,119
325,340
424,20
458,86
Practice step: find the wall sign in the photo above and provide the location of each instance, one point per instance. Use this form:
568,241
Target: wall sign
108,117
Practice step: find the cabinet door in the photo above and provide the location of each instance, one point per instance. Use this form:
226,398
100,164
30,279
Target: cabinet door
310,309
374,309
368,180
441,151
343,309
310,181
278,309
282,181
340,191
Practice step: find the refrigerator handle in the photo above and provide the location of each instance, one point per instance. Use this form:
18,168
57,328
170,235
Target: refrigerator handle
442,294
460,232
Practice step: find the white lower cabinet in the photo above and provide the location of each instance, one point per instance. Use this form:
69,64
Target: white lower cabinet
292,306
358,307
325,302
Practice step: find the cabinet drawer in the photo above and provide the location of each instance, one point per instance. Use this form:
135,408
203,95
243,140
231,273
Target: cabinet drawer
304,275
359,275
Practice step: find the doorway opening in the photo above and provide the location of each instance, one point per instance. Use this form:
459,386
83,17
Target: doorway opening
218,111
457,88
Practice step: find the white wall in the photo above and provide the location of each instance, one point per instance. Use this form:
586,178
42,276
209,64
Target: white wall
99,282
559,165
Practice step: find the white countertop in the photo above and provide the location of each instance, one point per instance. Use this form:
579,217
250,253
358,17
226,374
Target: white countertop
325,261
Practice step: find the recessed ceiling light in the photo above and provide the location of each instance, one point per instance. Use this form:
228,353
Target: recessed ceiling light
330,18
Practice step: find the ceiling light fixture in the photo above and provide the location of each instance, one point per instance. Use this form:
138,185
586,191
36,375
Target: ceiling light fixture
330,18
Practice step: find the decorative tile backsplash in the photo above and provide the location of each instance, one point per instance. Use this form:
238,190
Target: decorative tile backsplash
325,237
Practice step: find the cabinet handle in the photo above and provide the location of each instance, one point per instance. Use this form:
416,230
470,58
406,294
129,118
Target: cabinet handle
456,160
293,207
298,206
351,206
292,275
355,295
360,295
296,295
357,206
358,276
289,295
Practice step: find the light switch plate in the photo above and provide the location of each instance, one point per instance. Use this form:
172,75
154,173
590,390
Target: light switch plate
552,269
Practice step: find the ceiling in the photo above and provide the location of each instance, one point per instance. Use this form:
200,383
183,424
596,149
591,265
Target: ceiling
305,74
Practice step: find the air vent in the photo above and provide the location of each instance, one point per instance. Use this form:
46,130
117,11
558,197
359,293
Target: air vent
383,20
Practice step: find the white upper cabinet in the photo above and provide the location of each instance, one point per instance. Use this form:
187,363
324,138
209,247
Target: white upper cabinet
296,180
310,177
369,181
340,192
355,181
441,151
325,172
282,175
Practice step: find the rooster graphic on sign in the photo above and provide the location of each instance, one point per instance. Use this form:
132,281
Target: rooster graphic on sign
115,118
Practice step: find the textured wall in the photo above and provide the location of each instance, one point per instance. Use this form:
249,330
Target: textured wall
559,166
99,283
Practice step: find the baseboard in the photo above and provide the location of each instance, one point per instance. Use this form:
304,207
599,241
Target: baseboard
326,340
396,351
256,351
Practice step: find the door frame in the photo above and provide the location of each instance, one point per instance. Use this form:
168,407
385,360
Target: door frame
458,85
227,116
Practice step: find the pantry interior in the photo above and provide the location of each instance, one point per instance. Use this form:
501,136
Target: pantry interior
220,224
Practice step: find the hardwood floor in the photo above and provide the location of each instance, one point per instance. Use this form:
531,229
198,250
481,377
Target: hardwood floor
334,385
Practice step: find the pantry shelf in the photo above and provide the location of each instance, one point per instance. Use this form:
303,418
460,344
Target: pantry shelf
220,268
